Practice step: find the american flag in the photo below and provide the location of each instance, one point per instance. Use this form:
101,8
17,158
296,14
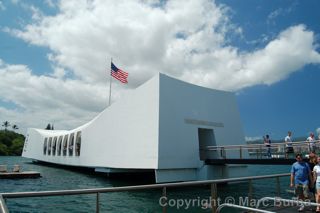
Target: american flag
119,74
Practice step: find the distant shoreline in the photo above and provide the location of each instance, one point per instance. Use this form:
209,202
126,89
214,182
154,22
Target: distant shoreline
11,143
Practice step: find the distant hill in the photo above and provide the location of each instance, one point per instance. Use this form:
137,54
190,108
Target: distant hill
11,143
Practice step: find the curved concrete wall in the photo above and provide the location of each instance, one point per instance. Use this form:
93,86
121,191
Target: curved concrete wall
160,126
124,135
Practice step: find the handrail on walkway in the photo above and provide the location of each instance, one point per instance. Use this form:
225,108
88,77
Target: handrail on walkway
3,207
260,149
277,199
163,186
242,207
296,143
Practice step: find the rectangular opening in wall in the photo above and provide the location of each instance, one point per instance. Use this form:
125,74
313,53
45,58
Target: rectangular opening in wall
54,146
65,145
59,146
206,138
71,143
78,143
45,145
49,146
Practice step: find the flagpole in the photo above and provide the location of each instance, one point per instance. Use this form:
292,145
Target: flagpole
110,84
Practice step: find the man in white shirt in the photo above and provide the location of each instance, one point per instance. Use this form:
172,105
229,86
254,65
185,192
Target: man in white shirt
288,142
311,142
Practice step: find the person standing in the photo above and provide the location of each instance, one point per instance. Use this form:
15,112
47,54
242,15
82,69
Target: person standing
311,163
316,179
299,179
288,142
267,143
311,142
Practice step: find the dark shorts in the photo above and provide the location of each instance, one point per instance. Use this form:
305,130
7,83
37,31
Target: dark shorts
301,190
289,149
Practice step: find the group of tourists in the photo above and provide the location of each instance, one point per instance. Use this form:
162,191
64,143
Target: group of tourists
305,175
311,143
305,178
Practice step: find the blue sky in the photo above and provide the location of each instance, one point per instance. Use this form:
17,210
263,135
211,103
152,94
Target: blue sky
290,104
54,54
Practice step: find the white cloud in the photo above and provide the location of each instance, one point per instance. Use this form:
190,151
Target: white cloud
186,40
281,12
255,138
141,38
233,70
15,1
36,12
50,3
274,14
43,99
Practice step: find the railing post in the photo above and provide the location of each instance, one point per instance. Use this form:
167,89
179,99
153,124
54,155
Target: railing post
214,197
223,152
164,194
240,152
3,206
260,152
286,155
250,193
278,186
98,203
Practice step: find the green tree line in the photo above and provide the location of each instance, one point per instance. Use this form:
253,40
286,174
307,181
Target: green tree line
11,143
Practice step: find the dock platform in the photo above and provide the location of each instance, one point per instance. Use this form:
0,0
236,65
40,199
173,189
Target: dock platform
18,175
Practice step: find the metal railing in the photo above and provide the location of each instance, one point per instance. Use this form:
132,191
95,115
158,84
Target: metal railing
97,191
260,150
242,207
287,201
3,207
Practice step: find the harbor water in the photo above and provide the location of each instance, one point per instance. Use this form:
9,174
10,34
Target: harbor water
191,199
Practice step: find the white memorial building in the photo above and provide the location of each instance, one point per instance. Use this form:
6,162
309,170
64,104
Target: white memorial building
159,127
